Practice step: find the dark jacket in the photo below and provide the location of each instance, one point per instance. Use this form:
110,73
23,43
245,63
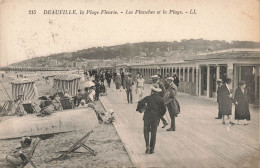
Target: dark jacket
128,83
171,101
155,107
225,102
218,94
176,81
242,104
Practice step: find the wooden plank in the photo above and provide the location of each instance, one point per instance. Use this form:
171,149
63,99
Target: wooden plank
199,139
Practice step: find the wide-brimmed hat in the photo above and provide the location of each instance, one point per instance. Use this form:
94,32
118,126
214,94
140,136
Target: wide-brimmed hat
155,88
170,78
219,81
227,80
154,77
241,83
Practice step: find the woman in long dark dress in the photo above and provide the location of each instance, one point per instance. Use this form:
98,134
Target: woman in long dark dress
242,104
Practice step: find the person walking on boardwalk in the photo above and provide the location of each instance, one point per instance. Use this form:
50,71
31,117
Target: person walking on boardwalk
118,81
219,83
122,79
171,102
155,80
176,80
108,78
128,85
226,100
154,108
140,86
241,100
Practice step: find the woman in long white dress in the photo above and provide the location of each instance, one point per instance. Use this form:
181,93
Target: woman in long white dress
140,86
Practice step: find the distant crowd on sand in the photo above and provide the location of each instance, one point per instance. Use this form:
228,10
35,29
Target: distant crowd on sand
61,99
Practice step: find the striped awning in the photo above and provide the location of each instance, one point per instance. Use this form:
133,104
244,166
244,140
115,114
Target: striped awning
25,87
69,82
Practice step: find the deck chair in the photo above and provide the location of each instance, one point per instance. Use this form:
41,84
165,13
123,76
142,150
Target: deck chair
75,146
66,103
8,105
29,108
28,157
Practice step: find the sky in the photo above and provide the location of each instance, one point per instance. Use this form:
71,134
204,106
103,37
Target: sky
24,35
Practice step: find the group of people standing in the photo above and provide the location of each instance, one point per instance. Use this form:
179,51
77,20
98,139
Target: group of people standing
225,100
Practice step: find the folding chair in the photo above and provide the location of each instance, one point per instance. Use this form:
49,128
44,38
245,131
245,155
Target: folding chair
66,103
8,105
75,146
29,108
28,156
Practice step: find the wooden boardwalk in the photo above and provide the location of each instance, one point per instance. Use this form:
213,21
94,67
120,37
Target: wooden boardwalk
199,140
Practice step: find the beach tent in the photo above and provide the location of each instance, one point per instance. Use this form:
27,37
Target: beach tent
25,87
68,82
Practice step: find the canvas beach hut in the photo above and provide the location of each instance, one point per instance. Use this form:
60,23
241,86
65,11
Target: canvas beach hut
69,82
25,87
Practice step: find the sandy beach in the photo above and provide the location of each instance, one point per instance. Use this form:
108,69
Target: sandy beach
104,139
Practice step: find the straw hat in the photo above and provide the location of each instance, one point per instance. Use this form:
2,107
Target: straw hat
155,77
170,78
219,81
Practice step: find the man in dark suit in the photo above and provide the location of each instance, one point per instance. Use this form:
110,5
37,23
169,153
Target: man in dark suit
176,80
219,83
226,100
154,111
128,85
156,80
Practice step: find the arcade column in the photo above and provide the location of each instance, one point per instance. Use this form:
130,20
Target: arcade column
230,72
208,80
198,80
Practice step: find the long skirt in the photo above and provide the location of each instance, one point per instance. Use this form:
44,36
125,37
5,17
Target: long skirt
242,112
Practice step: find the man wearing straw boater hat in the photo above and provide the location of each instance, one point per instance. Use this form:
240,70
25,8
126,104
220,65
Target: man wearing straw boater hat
155,80
171,102
153,108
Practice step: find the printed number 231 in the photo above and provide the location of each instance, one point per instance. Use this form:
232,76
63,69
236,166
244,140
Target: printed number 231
32,12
